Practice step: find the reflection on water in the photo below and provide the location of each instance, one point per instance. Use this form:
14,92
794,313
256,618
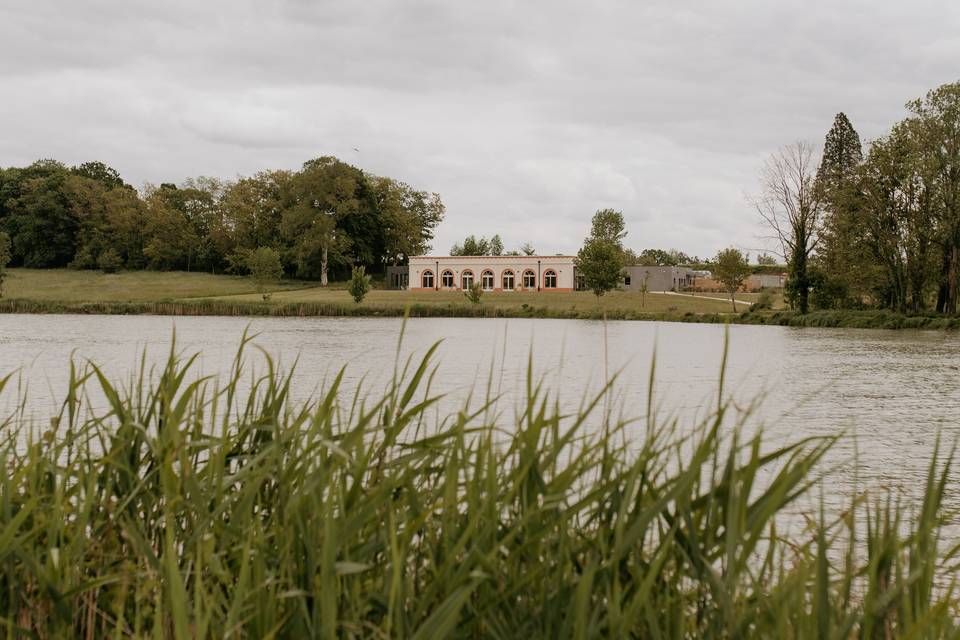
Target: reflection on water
894,390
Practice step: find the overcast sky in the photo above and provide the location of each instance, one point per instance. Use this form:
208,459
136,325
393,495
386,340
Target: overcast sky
525,116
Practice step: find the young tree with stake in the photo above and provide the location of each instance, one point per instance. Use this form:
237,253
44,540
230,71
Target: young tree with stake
731,270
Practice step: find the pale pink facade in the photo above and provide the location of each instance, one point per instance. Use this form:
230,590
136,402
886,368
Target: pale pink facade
494,273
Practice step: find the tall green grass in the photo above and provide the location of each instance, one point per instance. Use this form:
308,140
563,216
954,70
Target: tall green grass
341,309
204,508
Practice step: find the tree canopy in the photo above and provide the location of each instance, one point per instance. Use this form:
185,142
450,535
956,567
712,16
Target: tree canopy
474,246
731,268
882,228
328,216
601,259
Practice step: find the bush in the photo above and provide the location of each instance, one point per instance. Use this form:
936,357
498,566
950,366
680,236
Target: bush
359,284
474,293
764,301
110,261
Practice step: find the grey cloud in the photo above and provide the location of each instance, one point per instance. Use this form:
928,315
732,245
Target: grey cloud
525,116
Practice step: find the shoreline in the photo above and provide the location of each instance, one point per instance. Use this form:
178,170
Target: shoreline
878,319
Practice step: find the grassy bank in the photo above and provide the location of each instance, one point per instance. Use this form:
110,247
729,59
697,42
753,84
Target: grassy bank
870,319
72,291
229,307
70,285
188,509
89,292
455,309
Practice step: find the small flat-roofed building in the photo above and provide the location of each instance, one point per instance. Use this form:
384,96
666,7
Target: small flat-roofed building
657,278
759,281
494,273
398,277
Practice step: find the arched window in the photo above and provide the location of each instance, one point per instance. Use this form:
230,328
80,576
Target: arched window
446,279
426,279
486,280
466,280
507,278
549,279
529,279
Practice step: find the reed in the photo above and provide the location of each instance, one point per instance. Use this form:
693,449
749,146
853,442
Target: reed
195,508
345,308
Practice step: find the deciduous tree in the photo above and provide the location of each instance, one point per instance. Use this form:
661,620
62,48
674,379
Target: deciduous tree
601,259
791,206
731,268
265,268
937,118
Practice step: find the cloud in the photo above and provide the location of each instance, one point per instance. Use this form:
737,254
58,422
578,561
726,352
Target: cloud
525,116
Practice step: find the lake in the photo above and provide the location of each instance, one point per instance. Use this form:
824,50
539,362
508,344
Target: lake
893,389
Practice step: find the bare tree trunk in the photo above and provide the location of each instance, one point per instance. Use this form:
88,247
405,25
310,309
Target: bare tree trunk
733,301
324,258
950,307
942,286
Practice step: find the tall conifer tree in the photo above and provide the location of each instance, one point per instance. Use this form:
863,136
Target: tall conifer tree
842,254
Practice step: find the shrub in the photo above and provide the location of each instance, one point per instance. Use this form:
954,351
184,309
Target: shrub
764,301
109,261
359,284
474,293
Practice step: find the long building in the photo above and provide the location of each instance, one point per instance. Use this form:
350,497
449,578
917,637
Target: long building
494,273
521,273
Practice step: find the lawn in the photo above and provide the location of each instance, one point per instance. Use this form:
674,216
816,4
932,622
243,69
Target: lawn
136,286
70,286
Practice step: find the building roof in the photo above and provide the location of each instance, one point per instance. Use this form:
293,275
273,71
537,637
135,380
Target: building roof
490,257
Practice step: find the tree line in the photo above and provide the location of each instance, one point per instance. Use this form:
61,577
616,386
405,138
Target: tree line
325,218
877,229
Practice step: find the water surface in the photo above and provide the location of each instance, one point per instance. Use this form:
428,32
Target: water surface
894,389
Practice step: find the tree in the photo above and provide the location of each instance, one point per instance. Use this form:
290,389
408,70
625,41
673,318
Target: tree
6,254
102,173
644,289
600,262
408,218
731,269
898,191
331,208
608,224
252,208
35,210
471,247
527,249
656,258
842,254
170,240
109,261
937,118
496,246
343,192
265,268
791,206
359,284
766,260
601,259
